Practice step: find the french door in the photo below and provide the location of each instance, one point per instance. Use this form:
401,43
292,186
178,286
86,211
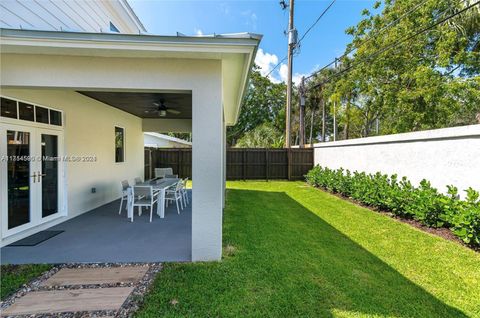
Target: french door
31,176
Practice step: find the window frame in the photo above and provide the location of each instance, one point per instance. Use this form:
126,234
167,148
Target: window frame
123,144
18,120
113,28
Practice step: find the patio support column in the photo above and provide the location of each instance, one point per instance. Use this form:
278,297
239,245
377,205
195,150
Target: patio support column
207,162
224,163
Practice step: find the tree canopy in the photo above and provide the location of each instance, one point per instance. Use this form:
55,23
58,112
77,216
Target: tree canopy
410,65
405,75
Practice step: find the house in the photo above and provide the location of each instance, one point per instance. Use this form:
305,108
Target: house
156,140
87,96
76,16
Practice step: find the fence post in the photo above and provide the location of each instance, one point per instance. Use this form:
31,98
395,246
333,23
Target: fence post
244,161
267,166
289,163
179,161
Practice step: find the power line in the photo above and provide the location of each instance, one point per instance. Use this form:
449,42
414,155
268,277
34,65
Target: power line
316,21
305,34
278,64
388,26
397,43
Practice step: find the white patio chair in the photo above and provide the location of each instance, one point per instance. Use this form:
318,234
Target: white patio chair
161,172
144,196
125,186
138,180
174,193
186,200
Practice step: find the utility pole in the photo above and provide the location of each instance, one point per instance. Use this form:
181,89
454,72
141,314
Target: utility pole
292,42
323,120
335,112
314,107
301,93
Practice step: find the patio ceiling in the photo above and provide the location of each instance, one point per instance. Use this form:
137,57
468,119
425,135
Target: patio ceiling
142,104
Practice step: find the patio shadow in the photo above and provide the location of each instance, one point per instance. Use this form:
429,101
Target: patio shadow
297,264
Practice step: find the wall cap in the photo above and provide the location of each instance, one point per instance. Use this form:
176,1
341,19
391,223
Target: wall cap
426,135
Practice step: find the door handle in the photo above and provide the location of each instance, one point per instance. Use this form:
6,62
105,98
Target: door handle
35,177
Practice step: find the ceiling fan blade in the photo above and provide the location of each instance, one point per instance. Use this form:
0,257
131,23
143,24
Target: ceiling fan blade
173,111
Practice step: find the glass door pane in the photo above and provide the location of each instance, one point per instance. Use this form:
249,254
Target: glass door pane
18,179
49,174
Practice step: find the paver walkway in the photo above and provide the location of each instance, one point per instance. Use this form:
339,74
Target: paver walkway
99,290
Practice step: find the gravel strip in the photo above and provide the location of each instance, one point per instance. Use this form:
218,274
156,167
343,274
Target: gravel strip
130,305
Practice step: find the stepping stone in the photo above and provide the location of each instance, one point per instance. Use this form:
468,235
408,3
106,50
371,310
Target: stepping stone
90,276
55,301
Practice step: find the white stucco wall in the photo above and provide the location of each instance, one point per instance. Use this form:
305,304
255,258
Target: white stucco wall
442,156
89,130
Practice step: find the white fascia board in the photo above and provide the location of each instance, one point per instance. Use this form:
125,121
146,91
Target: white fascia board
425,135
131,13
132,42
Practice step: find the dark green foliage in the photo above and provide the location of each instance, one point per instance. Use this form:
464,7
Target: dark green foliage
423,203
14,276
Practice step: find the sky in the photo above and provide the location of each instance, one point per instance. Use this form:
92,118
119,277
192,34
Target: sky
323,43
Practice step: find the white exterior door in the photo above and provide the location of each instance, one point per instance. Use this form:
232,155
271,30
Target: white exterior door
31,174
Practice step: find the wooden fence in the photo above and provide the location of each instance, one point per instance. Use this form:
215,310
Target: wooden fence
242,163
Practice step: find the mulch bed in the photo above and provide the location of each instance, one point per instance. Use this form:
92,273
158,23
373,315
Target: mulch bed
442,232
131,304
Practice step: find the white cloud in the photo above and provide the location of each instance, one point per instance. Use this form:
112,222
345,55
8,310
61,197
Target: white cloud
225,8
283,73
267,62
198,32
250,18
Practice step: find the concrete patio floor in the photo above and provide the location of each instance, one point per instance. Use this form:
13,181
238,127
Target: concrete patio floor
101,235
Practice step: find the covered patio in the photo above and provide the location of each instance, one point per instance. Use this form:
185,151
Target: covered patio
108,89
101,235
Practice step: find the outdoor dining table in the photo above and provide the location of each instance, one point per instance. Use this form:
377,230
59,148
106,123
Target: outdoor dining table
158,185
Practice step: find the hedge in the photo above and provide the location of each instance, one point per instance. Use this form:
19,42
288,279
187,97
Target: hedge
423,203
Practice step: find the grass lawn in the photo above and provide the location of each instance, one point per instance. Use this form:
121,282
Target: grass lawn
295,251
14,276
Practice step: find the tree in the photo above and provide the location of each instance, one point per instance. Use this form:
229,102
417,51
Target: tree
264,103
262,136
429,81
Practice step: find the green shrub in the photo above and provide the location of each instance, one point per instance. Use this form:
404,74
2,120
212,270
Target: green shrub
423,203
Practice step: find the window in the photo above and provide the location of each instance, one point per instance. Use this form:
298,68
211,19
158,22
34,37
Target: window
27,111
119,144
55,117
41,114
8,108
113,28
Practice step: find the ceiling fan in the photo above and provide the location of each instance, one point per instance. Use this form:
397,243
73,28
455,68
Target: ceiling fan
161,109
